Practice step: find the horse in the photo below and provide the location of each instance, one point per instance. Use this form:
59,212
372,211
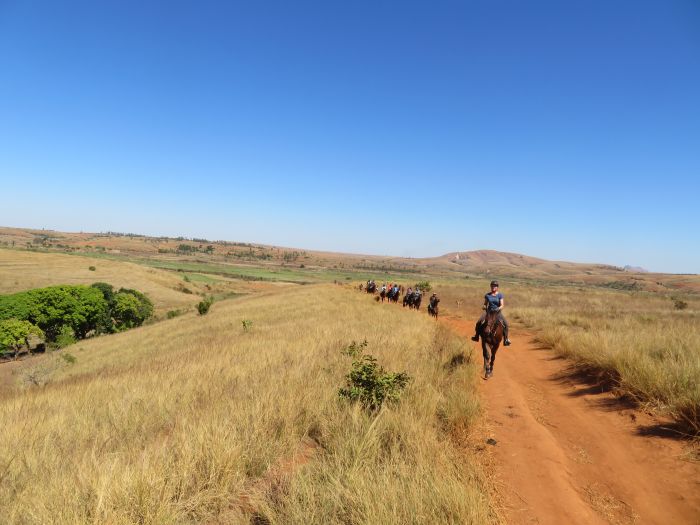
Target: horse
393,296
412,300
491,333
371,287
433,307
382,294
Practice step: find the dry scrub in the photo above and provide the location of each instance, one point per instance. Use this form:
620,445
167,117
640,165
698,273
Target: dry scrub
195,420
650,350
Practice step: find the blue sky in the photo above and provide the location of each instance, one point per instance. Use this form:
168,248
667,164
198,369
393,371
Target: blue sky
556,129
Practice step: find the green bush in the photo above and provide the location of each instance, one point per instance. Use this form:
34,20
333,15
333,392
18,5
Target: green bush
204,305
80,307
247,325
368,383
92,268
65,337
424,286
131,309
105,325
14,334
173,313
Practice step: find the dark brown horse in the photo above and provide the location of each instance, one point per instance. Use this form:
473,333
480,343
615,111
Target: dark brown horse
433,307
491,333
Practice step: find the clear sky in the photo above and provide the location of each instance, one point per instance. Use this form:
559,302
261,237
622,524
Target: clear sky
565,130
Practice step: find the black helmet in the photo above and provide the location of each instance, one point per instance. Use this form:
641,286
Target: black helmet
494,283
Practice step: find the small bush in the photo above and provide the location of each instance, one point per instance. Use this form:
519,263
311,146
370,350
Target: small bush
173,313
247,325
65,337
68,358
368,383
92,268
204,305
424,286
680,305
186,278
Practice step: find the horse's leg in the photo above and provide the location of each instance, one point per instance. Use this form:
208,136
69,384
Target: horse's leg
486,350
493,356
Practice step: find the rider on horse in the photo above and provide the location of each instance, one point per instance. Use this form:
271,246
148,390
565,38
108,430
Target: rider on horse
493,301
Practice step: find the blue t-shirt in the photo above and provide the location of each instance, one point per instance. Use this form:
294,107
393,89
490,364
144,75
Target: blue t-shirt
494,301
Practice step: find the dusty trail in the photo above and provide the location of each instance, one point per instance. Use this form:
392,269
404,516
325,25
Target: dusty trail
567,452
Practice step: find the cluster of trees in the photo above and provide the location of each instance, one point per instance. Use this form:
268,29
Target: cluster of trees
81,311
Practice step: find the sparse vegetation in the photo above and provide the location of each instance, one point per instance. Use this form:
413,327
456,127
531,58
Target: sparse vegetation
368,382
16,334
247,325
204,305
218,428
649,352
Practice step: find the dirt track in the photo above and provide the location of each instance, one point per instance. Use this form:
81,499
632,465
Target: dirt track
568,452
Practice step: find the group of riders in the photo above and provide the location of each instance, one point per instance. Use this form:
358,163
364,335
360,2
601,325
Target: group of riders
412,298
493,304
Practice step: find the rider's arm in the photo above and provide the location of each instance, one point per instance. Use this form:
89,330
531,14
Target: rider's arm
501,306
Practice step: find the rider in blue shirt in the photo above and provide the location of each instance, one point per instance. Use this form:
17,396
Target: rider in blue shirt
493,302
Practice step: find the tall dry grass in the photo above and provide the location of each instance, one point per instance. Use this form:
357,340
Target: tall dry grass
649,349
194,420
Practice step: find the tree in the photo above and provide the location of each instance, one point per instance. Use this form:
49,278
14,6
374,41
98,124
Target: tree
105,325
80,307
14,334
131,308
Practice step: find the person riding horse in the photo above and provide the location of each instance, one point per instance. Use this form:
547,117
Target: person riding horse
493,302
433,305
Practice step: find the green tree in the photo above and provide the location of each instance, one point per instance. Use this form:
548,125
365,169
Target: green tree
131,309
79,307
14,334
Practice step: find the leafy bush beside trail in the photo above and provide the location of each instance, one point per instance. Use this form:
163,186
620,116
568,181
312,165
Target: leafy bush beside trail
67,312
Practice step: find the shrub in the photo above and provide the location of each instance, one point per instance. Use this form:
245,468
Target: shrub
247,324
68,358
80,307
678,304
368,382
173,313
131,309
65,337
424,286
186,278
105,325
204,305
15,333
92,268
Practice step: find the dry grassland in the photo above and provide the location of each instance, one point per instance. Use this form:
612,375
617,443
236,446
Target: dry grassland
23,270
195,420
638,341
648,349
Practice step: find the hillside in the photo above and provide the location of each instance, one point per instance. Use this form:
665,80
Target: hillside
196,420
273,263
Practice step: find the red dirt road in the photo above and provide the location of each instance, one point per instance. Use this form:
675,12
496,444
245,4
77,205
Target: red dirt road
567,452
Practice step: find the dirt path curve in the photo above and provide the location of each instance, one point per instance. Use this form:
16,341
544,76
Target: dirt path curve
567,452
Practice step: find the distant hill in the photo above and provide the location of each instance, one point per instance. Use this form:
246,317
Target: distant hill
472,264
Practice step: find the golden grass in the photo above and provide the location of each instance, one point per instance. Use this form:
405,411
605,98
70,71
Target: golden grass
23,270
193,420
639,341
